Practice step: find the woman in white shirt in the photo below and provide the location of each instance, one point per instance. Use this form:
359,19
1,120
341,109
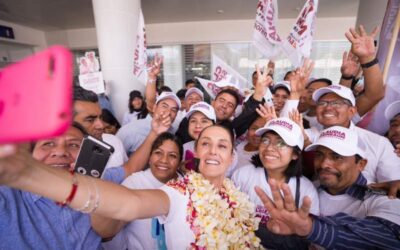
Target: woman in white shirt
248,148
165,157
203,210
279,158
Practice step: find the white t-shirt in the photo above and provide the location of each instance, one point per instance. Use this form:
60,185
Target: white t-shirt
375,205
137,234
189,146
244,157
119,157
247,177
128,117
383,164
178,234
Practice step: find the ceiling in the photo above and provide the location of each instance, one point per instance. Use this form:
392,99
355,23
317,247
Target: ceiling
48,15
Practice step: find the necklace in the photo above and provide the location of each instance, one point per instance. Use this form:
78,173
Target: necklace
219,219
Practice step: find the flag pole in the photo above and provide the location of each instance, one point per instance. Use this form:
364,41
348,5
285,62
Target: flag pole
392,45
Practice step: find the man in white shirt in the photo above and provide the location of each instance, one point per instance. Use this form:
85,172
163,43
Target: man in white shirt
336,107
392,114
352,215
134,134
87,112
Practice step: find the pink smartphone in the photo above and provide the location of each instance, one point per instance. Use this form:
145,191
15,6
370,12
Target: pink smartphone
36,96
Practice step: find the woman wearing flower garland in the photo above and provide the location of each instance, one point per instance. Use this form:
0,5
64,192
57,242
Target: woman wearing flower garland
203,210
279,159
165,157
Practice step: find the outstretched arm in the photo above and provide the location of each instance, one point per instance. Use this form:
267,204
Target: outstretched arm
19,170
362,45
151,86
138,160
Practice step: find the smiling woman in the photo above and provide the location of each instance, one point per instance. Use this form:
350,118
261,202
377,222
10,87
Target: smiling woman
200,210
279,158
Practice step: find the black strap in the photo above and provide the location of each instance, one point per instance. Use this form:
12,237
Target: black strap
297,198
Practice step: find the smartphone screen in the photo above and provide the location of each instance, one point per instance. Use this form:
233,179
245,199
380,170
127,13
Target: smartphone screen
93,157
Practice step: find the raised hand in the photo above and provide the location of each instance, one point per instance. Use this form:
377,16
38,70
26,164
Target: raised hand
263,82
155,66
267,112
362,44
286,219
350,65
300,79
160,123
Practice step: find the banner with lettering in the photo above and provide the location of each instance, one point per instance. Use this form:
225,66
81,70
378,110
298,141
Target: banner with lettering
265,35
221,71
213,87
140,56
299,42
378,123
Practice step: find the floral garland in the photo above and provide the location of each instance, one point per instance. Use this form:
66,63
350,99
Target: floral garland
223,219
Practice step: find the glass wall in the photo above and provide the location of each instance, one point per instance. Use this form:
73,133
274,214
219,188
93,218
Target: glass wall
182,62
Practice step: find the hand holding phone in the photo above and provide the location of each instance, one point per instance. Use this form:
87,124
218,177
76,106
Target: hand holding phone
93,157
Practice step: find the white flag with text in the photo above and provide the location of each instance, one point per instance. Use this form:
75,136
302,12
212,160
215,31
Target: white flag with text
140,56
221,71
265,35
299,42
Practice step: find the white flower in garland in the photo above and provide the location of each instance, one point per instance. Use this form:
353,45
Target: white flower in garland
223,219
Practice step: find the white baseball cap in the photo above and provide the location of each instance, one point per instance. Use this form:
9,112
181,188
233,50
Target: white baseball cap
204,108
340,90
341,140
287,129
284,84
194,90
392,110
169,95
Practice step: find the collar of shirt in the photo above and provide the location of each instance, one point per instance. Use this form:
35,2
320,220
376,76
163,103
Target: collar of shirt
356,190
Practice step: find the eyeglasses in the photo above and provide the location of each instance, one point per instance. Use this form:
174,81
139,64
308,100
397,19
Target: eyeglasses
279,145
334,104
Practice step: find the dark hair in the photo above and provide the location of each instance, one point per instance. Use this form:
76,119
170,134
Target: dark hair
165,137
280,87
287,74
164,88
132,95
325,80
181,93
294,167
81,94
108,117
231,92
230,132
189,81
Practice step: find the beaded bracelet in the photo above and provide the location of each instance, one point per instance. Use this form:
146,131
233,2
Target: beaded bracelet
72,193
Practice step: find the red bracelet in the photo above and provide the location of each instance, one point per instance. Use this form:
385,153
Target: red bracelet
72,193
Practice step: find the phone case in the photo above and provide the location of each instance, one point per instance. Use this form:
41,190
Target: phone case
36,96
93,157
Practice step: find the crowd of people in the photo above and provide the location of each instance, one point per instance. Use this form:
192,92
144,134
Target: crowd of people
299,171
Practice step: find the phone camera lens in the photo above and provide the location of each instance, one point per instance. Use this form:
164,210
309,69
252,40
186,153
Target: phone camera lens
95,173
81,170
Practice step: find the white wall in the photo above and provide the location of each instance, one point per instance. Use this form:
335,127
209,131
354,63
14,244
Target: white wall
203,32
26,36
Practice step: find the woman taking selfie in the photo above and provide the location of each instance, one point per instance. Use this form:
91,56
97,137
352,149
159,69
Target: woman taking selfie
202,210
